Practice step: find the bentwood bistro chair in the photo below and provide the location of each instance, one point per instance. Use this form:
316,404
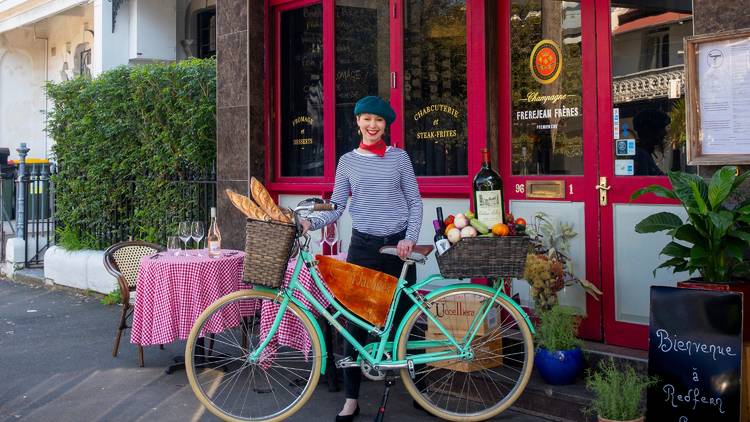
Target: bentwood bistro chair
122,260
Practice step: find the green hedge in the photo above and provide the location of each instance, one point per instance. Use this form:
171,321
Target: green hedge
126,143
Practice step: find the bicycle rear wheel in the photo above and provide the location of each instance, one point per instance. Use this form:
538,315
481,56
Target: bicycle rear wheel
472,389
234,387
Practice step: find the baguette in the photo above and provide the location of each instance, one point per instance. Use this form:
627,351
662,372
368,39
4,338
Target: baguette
265,202
247,206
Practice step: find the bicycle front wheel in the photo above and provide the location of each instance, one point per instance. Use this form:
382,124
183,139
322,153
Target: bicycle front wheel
220,365
472,389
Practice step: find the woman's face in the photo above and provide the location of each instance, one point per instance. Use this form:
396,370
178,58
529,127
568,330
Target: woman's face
372,127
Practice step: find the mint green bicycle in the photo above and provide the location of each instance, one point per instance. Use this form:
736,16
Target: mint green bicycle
464,351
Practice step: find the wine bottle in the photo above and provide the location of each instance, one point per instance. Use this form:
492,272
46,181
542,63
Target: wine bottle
441,242
441,220
213,238
488,193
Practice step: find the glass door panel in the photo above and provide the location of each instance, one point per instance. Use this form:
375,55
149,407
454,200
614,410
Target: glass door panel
363,65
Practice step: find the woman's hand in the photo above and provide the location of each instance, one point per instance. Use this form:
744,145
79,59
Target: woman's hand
404,248
306,224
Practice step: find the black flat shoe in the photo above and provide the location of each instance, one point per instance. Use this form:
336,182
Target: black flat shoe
348,418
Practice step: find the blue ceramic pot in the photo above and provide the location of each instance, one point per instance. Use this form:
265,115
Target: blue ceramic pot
559,367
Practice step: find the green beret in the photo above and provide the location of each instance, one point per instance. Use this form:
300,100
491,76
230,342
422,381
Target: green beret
375,105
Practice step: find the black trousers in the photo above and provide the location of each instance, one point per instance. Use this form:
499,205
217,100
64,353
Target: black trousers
364,251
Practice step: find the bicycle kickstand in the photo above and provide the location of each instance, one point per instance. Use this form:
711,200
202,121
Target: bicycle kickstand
389,381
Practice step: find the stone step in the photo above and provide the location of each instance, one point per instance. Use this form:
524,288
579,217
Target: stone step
566,403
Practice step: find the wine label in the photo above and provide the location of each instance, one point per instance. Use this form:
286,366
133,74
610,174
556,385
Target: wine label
214,246
489,207
442,245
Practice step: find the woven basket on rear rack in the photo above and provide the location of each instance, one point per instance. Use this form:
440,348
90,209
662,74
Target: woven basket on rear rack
485,257
268,245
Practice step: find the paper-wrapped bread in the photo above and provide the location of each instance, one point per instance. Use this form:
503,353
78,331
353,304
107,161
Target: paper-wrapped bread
265,202
247,206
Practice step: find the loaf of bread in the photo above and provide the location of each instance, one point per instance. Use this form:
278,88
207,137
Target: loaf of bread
247,206
265,202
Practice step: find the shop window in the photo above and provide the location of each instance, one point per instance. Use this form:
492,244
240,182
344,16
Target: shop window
649,86
546,85
362,63
435,95
301,116
207,33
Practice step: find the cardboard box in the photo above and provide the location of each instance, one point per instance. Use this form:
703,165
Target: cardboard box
457,315
484,355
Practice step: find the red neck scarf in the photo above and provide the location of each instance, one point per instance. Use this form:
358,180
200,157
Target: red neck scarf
378,148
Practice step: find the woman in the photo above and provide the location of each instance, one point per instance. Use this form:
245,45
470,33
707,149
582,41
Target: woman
386,209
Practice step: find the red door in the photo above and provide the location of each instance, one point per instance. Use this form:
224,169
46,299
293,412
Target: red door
548,127
639,65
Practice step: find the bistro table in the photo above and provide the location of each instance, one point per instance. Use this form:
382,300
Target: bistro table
174,290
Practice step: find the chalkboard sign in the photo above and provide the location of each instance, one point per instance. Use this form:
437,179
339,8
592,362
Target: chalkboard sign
695,349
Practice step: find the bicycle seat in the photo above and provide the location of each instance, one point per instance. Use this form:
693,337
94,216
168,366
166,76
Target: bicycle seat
418,253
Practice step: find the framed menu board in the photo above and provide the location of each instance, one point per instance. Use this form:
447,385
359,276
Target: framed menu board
717,74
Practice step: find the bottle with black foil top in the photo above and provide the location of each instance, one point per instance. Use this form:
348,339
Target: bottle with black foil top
488,193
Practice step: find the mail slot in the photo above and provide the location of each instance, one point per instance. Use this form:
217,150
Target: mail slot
549,189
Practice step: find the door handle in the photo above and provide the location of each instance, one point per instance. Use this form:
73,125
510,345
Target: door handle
602,188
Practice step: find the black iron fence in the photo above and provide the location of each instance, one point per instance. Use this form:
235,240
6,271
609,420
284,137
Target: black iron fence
194,196
132,217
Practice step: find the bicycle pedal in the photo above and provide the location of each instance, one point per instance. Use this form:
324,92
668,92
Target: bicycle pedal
410,367
346,362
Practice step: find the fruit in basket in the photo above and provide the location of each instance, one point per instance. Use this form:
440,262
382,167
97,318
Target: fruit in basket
470,215
449,220
500,229
481,228
449,226
468,231
509,217
453,235
520,222
460,221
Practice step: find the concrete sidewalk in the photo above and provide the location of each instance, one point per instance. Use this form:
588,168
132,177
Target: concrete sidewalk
56,365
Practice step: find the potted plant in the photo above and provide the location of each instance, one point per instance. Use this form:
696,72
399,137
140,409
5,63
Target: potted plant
558,357
712,242
549,268
618,393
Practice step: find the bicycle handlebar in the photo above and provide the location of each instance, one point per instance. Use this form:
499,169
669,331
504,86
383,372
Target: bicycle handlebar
330,206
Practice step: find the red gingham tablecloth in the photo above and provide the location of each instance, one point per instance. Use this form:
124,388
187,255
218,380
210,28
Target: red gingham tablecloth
173,291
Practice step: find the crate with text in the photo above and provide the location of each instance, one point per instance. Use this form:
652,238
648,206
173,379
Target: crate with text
457,314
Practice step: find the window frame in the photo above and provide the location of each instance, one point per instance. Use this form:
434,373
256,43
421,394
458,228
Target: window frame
476,96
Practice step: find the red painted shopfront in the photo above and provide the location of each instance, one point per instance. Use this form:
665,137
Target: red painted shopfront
553,88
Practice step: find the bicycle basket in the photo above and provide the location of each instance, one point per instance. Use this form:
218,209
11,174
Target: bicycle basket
503,256
268,245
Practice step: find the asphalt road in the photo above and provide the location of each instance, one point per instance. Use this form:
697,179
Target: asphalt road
56,365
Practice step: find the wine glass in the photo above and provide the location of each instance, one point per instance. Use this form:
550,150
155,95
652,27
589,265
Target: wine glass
173,245
183,231
198,231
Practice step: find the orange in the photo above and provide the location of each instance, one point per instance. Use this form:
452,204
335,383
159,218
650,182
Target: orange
449,226
500,229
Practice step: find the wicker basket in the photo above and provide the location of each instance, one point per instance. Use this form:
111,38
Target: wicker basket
485,257
268,245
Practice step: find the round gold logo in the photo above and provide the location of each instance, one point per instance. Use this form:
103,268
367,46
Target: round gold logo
545,61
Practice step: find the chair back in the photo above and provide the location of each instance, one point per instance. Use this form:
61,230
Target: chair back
123,259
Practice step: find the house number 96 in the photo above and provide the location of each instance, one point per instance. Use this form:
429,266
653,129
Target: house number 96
520,188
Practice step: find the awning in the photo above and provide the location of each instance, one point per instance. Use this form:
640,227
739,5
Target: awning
17,13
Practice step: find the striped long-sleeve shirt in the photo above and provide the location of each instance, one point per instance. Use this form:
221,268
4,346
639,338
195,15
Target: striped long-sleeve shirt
385,195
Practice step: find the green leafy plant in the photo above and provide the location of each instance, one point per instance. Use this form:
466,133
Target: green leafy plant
618,393
112,298
126,143
557,329
713,240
